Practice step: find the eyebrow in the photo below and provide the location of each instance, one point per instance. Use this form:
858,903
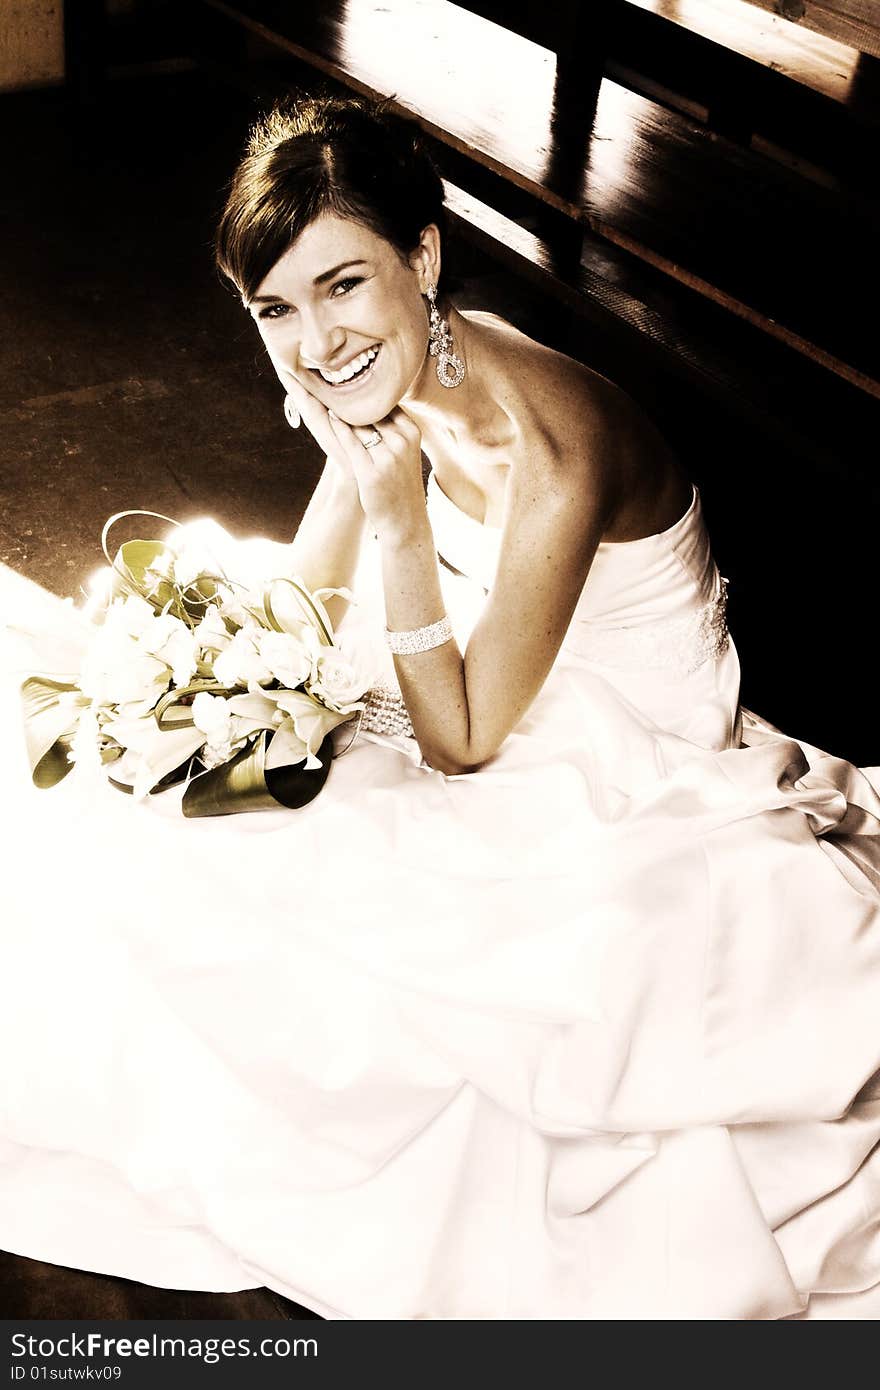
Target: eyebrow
318,280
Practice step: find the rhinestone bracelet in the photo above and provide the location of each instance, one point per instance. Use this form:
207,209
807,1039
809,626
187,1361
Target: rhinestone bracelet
419,639
384,712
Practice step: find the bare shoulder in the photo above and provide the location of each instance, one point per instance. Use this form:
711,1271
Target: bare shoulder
581,435
544,387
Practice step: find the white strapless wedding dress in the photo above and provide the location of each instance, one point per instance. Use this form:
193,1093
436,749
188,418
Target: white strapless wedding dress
591,1033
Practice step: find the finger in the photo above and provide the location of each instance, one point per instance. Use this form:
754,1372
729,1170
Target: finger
313,413
291,414
355,457
403,423
352,440
401,435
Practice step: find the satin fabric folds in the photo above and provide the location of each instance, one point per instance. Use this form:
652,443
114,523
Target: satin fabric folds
591,1033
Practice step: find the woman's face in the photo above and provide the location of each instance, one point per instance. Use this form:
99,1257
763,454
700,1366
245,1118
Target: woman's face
344,314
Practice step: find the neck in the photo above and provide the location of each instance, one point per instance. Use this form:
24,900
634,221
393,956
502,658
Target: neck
457,414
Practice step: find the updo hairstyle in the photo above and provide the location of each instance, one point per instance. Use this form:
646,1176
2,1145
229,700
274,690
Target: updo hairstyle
349,156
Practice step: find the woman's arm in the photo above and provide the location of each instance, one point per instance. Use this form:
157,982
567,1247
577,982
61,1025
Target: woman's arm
324,552
463,707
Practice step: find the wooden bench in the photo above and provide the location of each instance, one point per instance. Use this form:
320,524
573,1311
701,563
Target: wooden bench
853,22
765,43
770,248
802,98
680,337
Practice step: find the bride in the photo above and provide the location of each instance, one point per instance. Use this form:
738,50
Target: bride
561,1000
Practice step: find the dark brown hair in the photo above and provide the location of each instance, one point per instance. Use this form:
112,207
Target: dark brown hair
314,155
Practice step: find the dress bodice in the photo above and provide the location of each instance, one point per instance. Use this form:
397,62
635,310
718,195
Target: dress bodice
656,603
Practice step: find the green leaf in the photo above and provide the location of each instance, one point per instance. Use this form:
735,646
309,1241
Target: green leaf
171,779
130,566
246,784
153,760
198,597
310,610
49,726
120,516
170,713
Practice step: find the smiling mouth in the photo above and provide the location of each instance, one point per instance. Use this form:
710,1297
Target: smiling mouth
353,373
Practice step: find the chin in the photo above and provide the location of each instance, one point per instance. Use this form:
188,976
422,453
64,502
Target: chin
367,412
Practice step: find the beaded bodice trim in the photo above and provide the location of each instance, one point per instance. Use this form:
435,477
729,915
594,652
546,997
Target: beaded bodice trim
678,644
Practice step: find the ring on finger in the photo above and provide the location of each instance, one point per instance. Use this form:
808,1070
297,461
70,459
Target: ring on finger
372,440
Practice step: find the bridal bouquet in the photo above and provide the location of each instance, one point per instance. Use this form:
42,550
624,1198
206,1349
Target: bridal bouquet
187,673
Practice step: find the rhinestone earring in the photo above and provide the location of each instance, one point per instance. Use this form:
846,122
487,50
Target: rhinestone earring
450,368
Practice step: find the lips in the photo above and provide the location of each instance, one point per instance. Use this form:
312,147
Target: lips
353,371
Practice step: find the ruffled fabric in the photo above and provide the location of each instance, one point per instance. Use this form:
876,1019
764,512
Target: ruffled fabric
591,1033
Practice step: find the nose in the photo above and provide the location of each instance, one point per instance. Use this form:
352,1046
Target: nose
320,337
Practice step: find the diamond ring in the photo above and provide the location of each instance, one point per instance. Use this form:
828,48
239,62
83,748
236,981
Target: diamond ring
372,440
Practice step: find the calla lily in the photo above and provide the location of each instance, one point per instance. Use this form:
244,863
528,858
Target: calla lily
288,748
311,721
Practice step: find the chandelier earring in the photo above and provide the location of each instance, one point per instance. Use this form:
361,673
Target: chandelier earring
450,368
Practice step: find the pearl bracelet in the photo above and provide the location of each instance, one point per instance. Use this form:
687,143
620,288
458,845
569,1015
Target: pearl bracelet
419,639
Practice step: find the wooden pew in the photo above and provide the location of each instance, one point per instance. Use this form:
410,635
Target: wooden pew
654,335
853,22
765,41
801,98
771,248
797,96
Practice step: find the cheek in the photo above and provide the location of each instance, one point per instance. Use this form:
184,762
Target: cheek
281,346
417,350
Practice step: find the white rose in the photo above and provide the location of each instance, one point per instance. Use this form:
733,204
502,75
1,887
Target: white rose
240,663
213,717
85,747
211,632
337,681
286,657
115,671
180,653
192,561
130,616
231,604
172,642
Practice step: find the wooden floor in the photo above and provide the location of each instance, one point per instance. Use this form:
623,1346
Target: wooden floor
32,1289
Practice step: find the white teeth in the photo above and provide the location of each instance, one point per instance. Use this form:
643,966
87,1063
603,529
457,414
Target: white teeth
350,369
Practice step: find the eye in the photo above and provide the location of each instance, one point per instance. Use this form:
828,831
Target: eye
273,311
345,286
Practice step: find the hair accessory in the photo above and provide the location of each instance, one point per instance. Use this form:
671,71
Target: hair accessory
372,440
419,639
291,414
450,368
